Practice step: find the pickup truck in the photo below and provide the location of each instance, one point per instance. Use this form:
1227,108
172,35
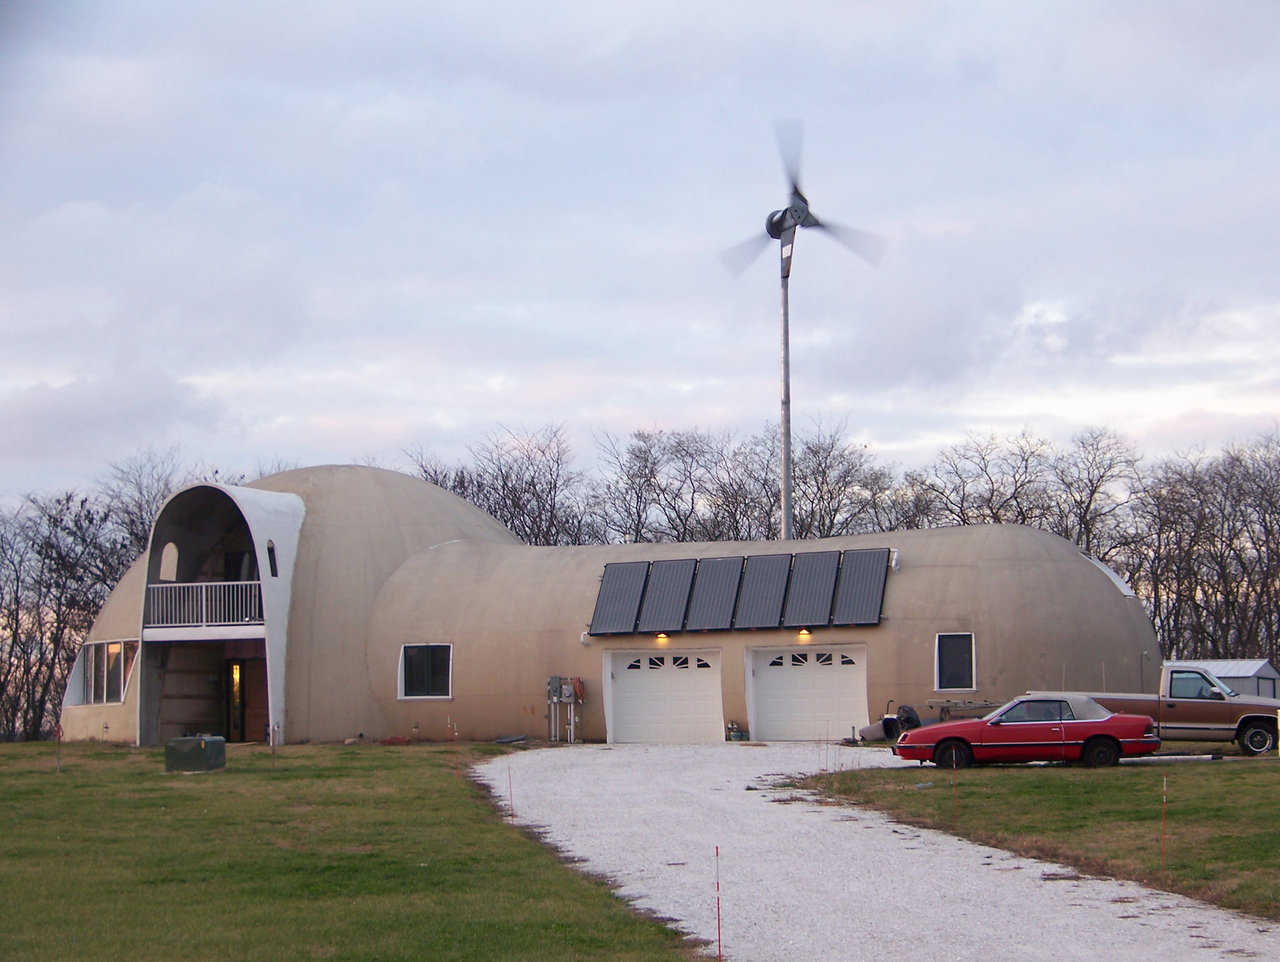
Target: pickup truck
1193,705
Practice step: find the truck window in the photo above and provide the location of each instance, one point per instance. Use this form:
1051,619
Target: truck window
1188,684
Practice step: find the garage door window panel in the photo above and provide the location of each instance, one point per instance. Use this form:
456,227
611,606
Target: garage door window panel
955,663
426,671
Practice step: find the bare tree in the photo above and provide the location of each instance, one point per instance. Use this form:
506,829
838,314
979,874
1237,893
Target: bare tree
838,486
1206,563
526,481
1092,485
743,503
136,488
682,496
458,479
61,555
627,494
988,481
14,564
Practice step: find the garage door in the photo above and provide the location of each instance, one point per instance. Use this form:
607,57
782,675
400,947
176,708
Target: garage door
671,697
808,693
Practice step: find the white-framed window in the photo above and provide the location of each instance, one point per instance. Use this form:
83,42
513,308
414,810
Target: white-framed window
426,672
101,673
955,662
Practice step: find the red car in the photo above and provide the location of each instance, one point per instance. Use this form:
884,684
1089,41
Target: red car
1034,728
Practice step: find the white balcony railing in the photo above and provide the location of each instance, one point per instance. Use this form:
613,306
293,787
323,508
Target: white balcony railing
203,603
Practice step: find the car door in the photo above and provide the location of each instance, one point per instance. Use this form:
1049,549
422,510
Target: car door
1195,708
1028,731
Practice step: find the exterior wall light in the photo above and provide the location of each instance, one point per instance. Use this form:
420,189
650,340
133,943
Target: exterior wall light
804,636
662,638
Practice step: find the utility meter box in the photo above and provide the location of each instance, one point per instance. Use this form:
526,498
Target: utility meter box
202,753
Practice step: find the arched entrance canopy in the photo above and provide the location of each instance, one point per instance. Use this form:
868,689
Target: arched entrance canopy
220,565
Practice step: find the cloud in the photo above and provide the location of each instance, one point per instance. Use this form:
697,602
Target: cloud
58,431
336,235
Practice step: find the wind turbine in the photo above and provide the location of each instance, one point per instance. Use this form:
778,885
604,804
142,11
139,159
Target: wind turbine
781,225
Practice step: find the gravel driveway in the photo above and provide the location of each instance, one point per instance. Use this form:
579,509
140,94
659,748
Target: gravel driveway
804,881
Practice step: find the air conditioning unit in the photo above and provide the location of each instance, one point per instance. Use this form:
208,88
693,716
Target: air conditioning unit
199,753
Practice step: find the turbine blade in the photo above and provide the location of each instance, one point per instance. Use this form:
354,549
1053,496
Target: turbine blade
741,256
870,247
790,135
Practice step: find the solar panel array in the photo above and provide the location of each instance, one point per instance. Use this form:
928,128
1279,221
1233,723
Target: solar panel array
807,590
667,596
621,589
764,586
813,580
860,590
715,592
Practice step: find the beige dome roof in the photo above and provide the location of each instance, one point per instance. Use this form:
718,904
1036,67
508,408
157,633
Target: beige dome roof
361,524
390,511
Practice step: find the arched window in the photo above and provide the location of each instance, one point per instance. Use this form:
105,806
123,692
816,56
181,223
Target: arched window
169,562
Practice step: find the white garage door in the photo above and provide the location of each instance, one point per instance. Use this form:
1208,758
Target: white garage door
809,693
671,697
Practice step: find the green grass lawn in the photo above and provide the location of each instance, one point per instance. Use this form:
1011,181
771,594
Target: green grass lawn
1221,835
333,852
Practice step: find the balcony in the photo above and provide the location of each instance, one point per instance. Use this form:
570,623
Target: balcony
206,604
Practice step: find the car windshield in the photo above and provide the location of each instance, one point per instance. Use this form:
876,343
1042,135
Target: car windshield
999,711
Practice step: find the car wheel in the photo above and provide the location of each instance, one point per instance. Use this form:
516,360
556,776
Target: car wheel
1100,753
1257,738
952,754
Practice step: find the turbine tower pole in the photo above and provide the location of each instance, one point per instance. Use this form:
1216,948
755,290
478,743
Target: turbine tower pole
787,242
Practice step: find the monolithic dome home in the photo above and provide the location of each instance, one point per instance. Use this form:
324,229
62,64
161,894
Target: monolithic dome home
332,602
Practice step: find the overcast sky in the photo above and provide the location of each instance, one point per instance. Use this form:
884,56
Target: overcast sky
325,232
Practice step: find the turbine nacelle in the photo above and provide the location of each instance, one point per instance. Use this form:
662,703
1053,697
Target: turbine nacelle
777,222
789,218
782,224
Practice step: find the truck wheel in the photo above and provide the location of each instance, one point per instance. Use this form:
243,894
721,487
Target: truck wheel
952,754
1100,753
1256,738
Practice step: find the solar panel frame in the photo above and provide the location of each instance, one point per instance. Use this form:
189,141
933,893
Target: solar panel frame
715,594
666,596
813,584
860,588
763,590
618,599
